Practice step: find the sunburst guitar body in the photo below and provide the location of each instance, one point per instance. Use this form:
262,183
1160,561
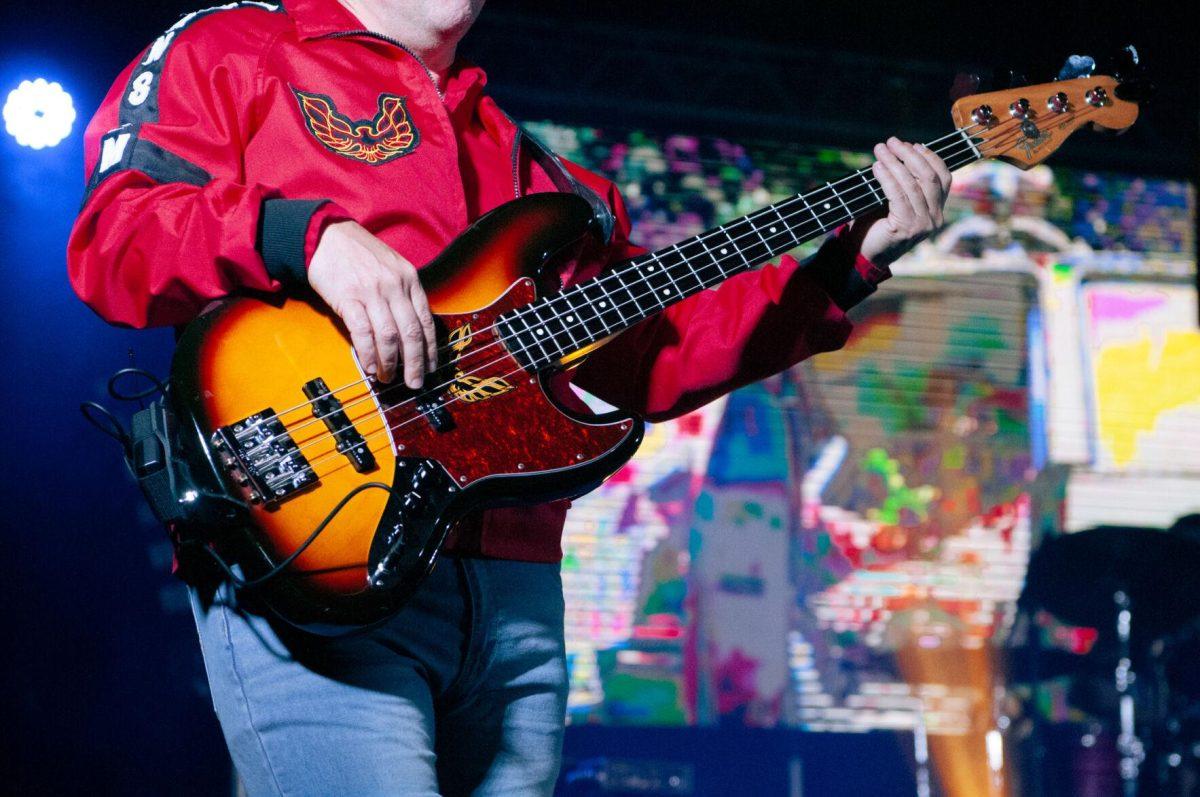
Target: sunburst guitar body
346,488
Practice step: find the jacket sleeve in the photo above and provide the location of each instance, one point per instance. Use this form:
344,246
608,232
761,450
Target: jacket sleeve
169,222
753,325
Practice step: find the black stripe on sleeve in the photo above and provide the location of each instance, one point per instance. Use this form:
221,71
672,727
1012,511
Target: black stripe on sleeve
139,103
122,150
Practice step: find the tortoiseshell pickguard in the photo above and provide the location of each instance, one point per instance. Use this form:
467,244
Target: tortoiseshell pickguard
503,422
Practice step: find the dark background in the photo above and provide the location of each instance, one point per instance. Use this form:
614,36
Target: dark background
103,690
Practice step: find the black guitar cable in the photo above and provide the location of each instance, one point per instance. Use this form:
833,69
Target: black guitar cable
249,584
146,447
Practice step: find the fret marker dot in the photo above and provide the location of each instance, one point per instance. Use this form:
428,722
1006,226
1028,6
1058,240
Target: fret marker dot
570,318
826,206
603,304
666,291
724,251
541,331
649,268
772,229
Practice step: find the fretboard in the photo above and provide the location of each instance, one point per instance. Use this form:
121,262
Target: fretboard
549,329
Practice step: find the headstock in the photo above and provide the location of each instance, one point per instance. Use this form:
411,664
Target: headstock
1024,125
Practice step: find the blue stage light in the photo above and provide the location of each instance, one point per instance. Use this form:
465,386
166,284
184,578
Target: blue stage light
38,114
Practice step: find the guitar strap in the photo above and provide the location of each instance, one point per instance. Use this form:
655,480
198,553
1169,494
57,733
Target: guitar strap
564,181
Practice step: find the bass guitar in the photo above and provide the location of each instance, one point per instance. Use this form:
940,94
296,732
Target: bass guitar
333,494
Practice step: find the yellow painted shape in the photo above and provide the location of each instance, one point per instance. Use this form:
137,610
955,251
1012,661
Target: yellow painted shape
1136,385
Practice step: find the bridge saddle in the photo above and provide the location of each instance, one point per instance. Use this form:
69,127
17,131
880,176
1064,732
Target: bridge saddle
260,455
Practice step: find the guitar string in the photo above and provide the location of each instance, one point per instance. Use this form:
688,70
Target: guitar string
615,274
634,300
872,200
960,132
334,454
970,146
575,290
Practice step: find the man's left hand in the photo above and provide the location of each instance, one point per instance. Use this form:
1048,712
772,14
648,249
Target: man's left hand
915,182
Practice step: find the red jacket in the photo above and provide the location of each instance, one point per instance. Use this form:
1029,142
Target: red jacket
213,164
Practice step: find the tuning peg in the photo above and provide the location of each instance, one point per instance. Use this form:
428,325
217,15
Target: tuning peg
983,115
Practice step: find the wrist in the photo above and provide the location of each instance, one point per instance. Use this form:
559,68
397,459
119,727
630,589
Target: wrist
326,223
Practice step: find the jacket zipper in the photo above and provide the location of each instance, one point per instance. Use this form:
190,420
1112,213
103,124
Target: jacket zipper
516,161
345,34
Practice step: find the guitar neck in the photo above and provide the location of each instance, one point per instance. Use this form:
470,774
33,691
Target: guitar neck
554,327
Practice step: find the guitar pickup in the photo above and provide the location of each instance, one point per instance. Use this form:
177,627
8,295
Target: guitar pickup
435,412
328,408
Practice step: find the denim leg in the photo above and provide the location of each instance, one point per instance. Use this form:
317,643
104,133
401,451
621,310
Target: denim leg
309,716
500,728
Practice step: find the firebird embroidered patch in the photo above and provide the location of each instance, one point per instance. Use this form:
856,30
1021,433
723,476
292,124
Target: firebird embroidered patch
390,135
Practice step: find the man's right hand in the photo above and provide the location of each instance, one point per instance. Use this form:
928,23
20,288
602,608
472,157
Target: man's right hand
376,293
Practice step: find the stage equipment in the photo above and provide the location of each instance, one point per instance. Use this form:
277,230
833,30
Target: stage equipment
38,114
1136,586
334,493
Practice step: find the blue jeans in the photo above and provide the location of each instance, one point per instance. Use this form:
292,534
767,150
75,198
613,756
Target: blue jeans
463,692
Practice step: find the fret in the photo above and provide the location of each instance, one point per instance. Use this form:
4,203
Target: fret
758,232
692,253
598,299
549,328
824,199
787,227
532,338
594,325
871,185
685,276
715,262
608,304
562,322
724,250
668,268
753,253
816,218
657,284
836,193
632,294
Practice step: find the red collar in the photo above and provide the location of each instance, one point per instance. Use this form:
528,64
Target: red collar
314,18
